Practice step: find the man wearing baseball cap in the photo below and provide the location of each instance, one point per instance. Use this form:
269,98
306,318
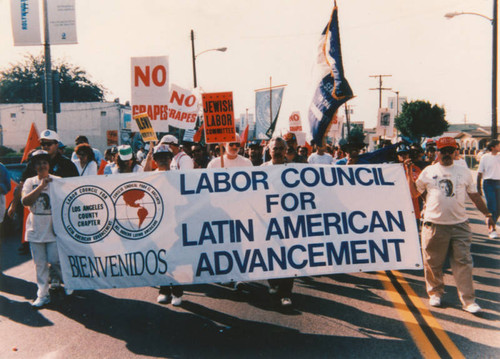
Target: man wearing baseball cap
181,160
291,142
446,231
59,165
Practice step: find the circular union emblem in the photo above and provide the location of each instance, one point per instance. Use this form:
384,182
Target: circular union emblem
138,208
88,214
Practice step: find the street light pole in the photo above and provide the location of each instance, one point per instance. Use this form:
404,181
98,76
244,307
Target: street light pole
494,83
221,49
494,65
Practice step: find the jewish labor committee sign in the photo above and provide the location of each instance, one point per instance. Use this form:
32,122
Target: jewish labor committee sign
236,224
218,115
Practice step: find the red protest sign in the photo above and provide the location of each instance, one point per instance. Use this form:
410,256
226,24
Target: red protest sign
218,116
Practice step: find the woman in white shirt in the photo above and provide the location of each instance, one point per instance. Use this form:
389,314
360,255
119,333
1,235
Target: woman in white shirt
39,230
126,161
85,162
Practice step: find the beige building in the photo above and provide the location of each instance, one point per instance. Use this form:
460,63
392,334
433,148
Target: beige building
101,122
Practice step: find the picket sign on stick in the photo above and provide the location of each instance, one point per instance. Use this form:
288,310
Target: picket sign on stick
145,128
219,119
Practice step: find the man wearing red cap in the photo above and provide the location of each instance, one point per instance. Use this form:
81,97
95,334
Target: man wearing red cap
446,230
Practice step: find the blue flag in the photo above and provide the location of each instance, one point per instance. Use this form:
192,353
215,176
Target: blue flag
333,90
263,103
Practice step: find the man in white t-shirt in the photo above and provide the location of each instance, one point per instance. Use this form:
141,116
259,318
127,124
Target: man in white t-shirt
181,160
231,156
489,173
320,157
446,230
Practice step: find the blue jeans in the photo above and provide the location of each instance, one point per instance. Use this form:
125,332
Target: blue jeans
491,190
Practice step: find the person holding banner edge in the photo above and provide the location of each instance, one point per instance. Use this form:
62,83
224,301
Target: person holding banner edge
39,229
446,230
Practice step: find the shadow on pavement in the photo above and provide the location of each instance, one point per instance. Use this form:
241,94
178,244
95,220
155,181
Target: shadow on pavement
153,330
9,256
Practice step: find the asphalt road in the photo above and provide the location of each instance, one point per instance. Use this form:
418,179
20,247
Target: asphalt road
361,315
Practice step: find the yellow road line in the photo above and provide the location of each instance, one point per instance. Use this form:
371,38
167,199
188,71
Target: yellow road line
421,340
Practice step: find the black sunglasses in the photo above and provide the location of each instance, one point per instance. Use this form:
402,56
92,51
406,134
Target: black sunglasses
447,150
47,144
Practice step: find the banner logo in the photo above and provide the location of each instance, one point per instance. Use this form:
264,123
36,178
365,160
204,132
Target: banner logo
88,214
139,209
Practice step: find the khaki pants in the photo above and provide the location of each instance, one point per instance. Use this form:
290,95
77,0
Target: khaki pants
437,242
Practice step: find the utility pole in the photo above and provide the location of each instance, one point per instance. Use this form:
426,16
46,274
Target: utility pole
194,58
49,82
380,88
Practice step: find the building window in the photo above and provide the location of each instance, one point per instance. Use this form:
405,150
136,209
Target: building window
103,113
13,115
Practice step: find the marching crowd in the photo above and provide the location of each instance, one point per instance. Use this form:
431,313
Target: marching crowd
439,182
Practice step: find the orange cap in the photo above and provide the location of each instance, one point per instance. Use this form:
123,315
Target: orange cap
446,142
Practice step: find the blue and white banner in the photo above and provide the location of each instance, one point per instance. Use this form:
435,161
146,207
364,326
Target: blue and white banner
238,224
265,100
332,90
25,19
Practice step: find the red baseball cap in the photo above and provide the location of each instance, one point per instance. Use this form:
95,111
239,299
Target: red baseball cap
446,142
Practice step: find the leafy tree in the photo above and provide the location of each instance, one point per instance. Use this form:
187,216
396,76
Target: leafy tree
356,135
421,119
5,151
23,82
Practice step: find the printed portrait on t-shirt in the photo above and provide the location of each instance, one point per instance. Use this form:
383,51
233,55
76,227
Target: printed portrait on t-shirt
446,187
42,205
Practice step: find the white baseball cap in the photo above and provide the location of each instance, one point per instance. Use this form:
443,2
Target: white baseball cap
161,148
169,140
49,135
125,152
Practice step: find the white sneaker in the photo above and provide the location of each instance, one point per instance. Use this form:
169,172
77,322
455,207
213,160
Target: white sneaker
493,235
41,301
162,299
176,301
285,302
473,308
68,291
434,301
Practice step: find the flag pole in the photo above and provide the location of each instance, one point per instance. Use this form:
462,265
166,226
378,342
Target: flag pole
271,99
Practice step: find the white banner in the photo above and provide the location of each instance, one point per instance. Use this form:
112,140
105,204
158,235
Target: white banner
62,22
183,108
205,226
150,90
25,22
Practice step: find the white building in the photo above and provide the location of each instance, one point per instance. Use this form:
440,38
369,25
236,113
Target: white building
104,123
